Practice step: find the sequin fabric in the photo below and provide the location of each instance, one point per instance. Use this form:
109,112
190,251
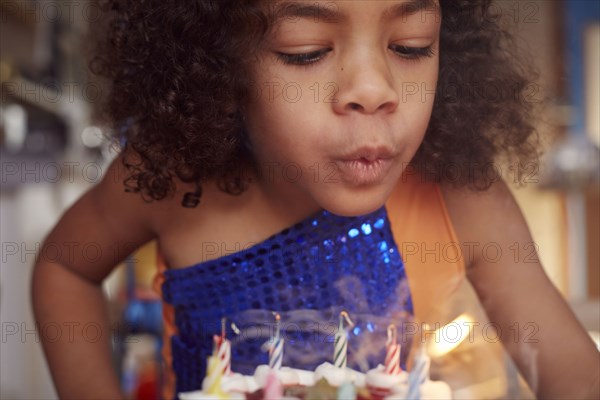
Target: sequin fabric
308,273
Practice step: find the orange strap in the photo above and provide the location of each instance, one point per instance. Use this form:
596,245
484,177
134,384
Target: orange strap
427,242
169,329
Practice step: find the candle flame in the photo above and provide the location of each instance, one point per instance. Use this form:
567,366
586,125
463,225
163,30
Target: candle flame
392,334
235,329
277,325
344,316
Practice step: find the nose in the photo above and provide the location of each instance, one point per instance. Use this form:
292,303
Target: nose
366,86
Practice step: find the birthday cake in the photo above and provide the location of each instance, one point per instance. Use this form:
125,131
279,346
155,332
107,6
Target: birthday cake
328,381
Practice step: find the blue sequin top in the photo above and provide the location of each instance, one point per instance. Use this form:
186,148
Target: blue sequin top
308,273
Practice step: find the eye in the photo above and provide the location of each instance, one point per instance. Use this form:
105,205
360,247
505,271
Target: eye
302,58
412,53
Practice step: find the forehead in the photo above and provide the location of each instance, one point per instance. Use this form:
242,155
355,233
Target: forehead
334,11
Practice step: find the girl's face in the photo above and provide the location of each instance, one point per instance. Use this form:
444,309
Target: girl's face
342,96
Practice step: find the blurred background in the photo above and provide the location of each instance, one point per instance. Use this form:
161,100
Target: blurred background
51,152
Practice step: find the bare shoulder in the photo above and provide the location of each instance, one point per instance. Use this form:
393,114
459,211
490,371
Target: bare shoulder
149,214
103,227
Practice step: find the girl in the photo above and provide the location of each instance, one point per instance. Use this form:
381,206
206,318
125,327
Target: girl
307,139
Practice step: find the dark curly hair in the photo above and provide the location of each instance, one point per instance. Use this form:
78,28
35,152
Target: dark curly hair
175,70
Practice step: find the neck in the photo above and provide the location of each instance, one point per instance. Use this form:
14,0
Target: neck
282,197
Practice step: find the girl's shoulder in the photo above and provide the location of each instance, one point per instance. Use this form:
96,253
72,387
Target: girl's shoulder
182,233
220,224
101,228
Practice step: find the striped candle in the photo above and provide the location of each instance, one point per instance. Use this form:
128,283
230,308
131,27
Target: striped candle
276,347
222,349
340,349
224,356
418,374
276,353
392,357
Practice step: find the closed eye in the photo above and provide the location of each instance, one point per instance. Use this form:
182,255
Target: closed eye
412,53
409,53
302,58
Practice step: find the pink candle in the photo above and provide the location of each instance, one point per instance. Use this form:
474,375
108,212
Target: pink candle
392,357
223,350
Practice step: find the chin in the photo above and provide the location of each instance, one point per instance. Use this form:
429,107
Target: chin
354,204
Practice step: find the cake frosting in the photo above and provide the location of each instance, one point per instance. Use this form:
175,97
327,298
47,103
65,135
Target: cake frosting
239,383
287,376
375,382
202,395
338,376
429,390
381,384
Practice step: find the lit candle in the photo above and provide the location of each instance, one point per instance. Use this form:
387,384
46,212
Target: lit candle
392,357
276,347
340,349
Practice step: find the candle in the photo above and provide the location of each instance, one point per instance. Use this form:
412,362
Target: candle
276,347
273,389
222,350
392,357
212,381
418,374
341,342
224,356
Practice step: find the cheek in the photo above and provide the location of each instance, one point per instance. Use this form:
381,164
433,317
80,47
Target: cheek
417,96
419,123
285,113
282,132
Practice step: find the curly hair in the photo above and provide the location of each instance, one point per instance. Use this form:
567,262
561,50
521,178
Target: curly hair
485,99
175,70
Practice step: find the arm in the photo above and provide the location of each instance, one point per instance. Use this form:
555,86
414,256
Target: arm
92,237
559,360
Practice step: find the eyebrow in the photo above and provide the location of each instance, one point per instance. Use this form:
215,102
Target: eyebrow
409,8
327,13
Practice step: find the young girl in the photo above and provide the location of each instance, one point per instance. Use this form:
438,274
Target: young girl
281,153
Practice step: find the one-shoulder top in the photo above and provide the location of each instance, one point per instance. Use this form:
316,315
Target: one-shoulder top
309,273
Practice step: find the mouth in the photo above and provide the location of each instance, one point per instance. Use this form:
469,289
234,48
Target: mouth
367,166
369,154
